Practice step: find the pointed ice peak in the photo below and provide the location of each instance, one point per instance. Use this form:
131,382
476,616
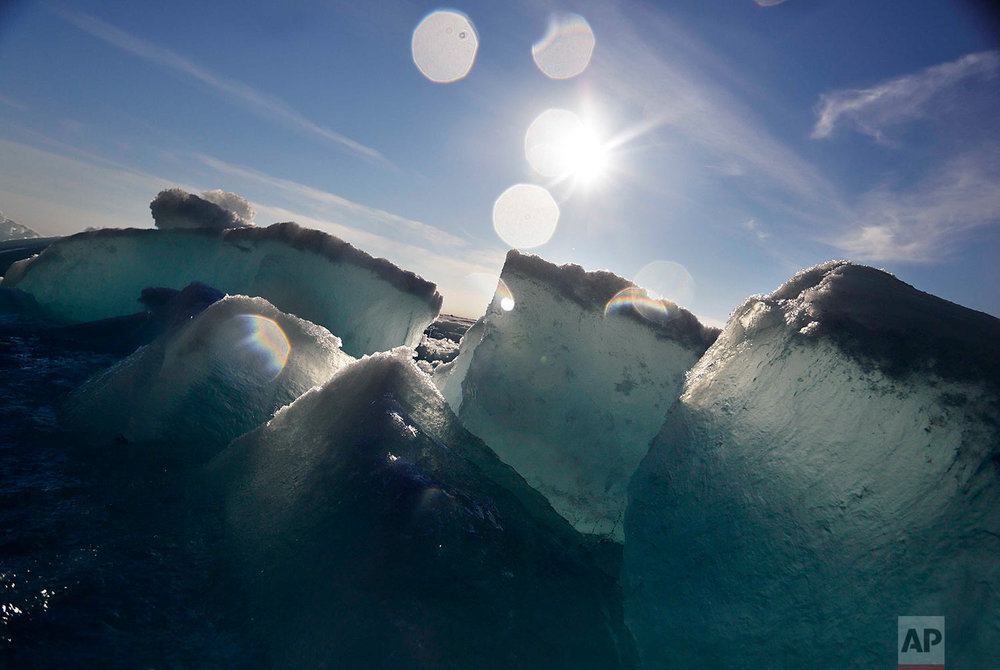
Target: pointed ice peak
835,452
567,391
878,319
10,230
367,494
595,290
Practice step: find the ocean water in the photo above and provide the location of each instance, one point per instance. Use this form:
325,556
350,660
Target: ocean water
109,557
104,561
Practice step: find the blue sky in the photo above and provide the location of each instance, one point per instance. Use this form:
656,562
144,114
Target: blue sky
747,142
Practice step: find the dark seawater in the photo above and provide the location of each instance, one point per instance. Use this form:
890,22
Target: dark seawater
105,561
108,558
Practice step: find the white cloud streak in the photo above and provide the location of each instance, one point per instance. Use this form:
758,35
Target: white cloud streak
334,205
58,194
10,102
900,100
448,260
757,229
250,98
924,223
695,108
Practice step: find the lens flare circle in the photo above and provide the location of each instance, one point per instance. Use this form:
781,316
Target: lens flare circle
667,280
504,294
444,46
636,299
525,216
261,347
566,48
559,144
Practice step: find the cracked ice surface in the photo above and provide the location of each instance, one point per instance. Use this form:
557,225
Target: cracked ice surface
566,395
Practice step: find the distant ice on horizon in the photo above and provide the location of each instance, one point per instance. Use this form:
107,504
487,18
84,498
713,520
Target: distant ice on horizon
10,230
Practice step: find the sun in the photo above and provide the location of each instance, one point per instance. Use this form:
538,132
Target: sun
587,155
560,145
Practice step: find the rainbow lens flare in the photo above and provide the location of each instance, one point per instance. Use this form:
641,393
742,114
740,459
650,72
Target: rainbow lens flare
636,299
506,297
263,348
566,48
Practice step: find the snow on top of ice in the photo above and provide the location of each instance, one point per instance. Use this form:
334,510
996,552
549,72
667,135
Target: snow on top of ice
880,320
176,208
290,233
336,249
844,423
587,289
233,202
567,392
369,302
592,290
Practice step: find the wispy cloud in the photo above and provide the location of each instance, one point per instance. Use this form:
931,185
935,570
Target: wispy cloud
925,222
900,100
451,261
927,218
332,205
10,102
695,91
60,192
757,229
250,98
57,191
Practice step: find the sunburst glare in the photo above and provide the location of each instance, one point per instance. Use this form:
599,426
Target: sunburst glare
560,145
634,298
